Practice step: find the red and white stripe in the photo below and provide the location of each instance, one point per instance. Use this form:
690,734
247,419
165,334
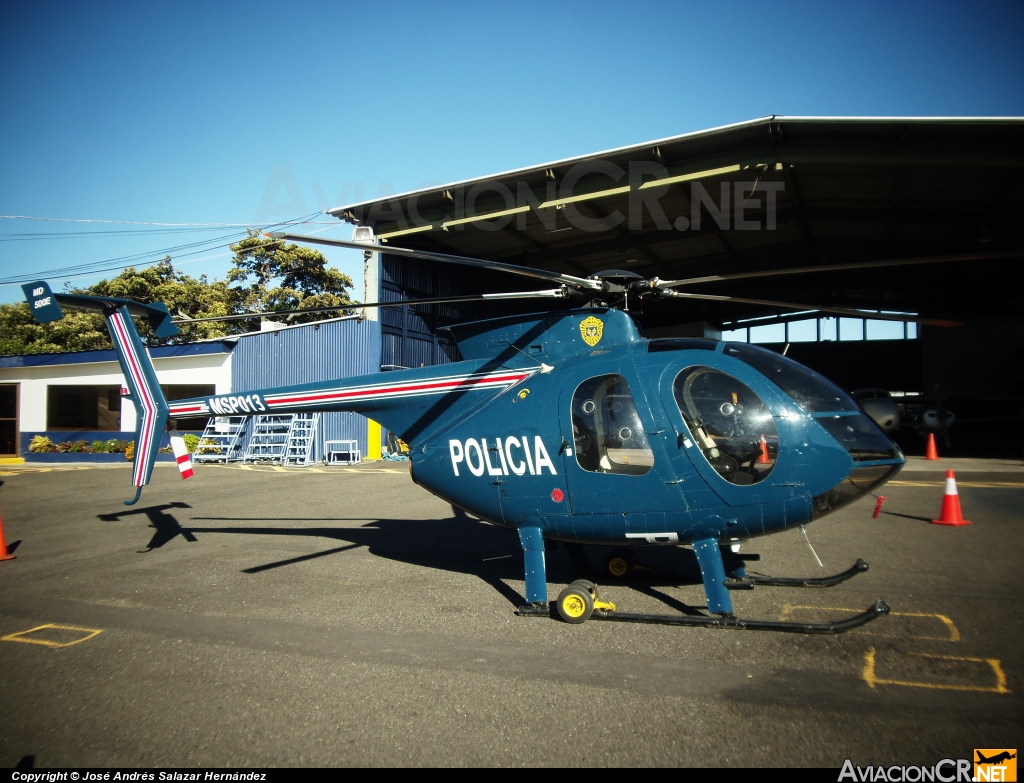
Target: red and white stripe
181,455
186,408
381,391
145,438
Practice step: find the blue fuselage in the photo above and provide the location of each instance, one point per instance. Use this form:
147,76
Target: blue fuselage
514,459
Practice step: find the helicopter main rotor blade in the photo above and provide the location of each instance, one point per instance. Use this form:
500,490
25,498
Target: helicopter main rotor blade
990,256
554,293
803,307
526,271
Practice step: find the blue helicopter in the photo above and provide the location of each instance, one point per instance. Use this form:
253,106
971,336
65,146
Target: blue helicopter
571,426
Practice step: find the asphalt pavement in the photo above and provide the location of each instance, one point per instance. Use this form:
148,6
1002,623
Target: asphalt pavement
344,616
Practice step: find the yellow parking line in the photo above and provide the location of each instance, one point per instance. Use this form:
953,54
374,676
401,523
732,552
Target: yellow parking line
20,635
870,677
973,484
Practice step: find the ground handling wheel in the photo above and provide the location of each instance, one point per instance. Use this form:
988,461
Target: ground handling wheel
575,604
620,564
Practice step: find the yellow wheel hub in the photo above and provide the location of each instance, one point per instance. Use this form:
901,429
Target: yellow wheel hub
574,605
618,566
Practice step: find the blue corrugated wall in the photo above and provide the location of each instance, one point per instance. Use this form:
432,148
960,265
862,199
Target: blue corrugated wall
318,352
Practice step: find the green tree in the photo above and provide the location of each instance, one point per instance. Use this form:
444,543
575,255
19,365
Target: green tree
185,297
20,334
269,276
303,279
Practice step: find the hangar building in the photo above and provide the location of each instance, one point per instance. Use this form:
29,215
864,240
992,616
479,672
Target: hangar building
780,202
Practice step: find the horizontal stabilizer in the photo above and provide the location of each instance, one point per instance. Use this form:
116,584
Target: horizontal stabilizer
48,306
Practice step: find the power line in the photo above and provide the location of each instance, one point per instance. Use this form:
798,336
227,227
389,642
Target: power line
122,222
113,264
152,228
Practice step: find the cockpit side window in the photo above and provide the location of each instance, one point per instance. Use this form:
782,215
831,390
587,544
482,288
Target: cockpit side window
729,423
607,430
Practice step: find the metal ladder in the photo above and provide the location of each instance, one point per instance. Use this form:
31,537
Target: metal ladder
269,439
221,440
302,440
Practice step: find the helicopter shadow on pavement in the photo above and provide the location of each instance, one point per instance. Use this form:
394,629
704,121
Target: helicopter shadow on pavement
166,527
459,544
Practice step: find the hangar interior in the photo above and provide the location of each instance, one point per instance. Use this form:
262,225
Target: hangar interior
780,202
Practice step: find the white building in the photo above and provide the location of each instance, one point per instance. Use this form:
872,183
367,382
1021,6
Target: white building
78,395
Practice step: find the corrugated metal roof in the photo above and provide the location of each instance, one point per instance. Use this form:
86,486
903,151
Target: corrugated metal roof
667,141
843,189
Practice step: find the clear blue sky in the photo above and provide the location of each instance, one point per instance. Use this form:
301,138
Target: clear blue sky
180,112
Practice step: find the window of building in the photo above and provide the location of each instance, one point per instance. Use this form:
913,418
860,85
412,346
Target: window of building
884,330
805,331
96,408
823,329
769,333
731,425
607,431
83,408
851,329
828,330
8,419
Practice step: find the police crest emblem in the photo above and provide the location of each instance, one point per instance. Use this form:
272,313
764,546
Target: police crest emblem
591,328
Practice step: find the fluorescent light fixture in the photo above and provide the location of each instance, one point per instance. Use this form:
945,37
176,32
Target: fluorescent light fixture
487,216
558,202
417,230
687,177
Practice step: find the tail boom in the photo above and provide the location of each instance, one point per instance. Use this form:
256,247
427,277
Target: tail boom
387,402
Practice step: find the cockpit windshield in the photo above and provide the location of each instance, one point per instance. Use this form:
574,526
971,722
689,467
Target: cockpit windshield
729,423
809,390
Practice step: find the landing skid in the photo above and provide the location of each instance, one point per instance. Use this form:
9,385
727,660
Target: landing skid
828,627
721,571
748,582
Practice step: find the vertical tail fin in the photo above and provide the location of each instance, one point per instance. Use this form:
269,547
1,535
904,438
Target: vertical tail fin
151,409
144,391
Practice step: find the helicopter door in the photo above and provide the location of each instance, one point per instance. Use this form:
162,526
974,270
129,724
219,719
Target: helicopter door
726,431
608,458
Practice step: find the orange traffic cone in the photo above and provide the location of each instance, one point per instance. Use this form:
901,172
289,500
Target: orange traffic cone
4,554
931,452
763,458
951,505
